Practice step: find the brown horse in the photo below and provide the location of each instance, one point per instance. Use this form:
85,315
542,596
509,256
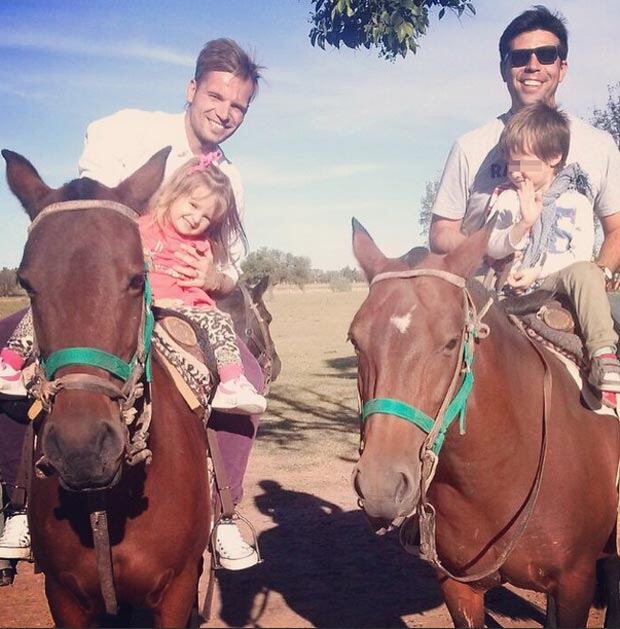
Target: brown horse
84,271
523,489
251,321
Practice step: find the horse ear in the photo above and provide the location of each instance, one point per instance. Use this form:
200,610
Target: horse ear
25,182
259,290
137,189
413,256
366,252
468,256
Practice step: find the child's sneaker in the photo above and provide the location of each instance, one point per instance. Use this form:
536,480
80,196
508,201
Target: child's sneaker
11,381
238,396
605,376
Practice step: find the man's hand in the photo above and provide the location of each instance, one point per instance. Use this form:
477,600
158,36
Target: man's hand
523,278
199,269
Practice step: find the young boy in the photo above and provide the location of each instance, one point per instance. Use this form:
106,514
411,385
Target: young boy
544,222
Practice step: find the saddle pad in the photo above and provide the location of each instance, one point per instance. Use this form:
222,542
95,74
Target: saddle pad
586,392
193,372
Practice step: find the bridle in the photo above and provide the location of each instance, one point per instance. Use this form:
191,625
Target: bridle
262,344
44,386
453,406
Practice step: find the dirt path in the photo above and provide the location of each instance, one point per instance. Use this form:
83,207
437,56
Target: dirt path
323,567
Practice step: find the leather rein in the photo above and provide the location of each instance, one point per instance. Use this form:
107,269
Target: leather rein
453,405
263,346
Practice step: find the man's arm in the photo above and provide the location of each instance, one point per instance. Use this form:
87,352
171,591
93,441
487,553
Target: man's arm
609,255
445,234
109,143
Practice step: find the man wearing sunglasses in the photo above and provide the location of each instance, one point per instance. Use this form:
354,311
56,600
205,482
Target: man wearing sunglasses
533,62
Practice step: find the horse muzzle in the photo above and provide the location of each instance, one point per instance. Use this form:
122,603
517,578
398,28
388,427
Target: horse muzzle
89,461
385,493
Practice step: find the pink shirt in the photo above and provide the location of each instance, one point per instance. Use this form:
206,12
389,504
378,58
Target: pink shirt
159,246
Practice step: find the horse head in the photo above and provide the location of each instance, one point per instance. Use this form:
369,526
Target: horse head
407,336
84,272
251,320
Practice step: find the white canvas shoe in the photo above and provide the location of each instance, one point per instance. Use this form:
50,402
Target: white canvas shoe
233,551
238,396
15,539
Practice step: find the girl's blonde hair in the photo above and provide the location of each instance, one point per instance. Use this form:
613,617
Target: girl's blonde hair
227,225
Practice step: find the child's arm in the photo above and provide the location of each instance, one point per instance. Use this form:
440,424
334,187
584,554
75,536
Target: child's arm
512,228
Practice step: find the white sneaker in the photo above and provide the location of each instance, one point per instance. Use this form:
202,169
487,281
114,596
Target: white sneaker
15,540
238,396
232,550
11,382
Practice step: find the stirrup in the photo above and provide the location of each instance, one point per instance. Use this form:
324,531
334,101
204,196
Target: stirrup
215,559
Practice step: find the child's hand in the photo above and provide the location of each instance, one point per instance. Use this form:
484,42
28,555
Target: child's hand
523,278
530,202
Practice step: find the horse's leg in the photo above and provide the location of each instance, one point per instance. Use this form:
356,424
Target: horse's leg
66,609
466,605
573,596
175,607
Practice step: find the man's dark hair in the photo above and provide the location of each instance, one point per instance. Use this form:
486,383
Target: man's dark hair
225,55
536,18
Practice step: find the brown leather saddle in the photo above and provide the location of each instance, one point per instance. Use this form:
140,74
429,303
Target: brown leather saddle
549,318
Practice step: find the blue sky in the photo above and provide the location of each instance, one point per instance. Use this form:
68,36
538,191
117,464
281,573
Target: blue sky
332,134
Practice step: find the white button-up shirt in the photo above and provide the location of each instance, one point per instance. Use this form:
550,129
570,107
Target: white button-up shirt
117,145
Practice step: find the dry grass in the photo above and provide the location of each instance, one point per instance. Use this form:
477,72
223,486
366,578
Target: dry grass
313,404
9,305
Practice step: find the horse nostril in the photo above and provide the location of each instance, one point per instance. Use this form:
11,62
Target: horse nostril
109,438
403,488
356,485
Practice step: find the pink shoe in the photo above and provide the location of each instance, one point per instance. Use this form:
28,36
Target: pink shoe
11,381
609,398
238,396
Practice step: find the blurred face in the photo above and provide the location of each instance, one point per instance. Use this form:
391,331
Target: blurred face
534,81
217,107
191,214
524,166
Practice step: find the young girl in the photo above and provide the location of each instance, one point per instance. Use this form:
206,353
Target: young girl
544,229
194,208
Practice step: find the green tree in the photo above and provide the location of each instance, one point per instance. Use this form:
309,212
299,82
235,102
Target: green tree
264,261
608,117
281,267
392,26
426,206
8,282
298,270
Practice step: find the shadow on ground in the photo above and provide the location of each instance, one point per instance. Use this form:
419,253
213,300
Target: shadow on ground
334,572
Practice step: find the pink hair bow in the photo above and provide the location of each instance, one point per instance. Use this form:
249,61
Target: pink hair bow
206,159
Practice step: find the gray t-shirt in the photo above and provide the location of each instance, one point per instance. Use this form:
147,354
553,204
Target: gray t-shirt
475,167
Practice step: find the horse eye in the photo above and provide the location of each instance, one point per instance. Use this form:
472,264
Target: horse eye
26,286
136,281
451,344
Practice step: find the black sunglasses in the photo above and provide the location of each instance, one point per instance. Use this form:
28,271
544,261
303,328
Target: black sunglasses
546,55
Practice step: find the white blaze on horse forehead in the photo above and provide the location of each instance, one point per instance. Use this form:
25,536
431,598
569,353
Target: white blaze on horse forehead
402,322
